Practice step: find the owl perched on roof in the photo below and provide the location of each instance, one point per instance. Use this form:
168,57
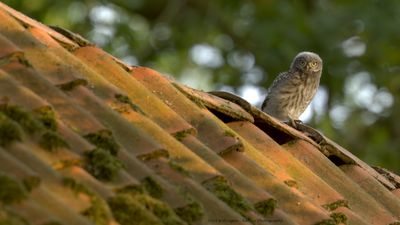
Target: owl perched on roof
292,91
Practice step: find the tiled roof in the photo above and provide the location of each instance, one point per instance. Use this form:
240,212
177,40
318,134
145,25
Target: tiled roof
86,139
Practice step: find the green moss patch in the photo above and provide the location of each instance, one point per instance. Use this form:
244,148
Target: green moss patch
31,182
47,117
126,100
24,118
334,205
159,209
180,135
11,218
9,131
152,187
75,186
132,189
51,141
128,211
191,212
104,139
339,218
160,153
267,207
102,164
69,86
98,211
175,166
11,191
220,188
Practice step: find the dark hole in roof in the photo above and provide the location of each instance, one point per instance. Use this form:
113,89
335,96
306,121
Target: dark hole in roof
222,116
279,136
336,160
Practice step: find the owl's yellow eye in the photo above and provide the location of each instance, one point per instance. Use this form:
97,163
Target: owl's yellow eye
302,62
314,64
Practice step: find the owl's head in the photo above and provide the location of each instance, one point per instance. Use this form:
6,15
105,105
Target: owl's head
307,62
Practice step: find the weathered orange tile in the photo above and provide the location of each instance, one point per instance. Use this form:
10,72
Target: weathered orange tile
246,170
13,92
147,139
26,21
158,111
210,130
125,133
306,181
284,195
7,48
359,201
213,207
8,22
41,194
72,115
137,138
373,188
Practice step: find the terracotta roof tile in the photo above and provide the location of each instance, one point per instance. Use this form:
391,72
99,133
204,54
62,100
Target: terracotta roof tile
359,201
86,139
372,187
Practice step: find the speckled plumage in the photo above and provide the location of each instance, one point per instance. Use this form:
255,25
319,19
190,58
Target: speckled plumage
292,91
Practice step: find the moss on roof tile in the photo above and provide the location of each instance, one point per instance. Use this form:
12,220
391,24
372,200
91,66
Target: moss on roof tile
10,132
154,155
159,209
191,212
152,187
11,218
69,86
31,182
104,139
177,167
11,190
339,218
221,189
46,116
334,205
131,189
126,100
128,211
24,118
97,211
267,207
51,141
102,164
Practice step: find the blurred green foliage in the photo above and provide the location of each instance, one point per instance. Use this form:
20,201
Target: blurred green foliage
234,45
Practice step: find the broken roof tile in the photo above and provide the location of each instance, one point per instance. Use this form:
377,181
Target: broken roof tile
87,139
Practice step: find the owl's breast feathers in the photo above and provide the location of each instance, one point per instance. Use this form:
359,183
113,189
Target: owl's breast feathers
290,94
